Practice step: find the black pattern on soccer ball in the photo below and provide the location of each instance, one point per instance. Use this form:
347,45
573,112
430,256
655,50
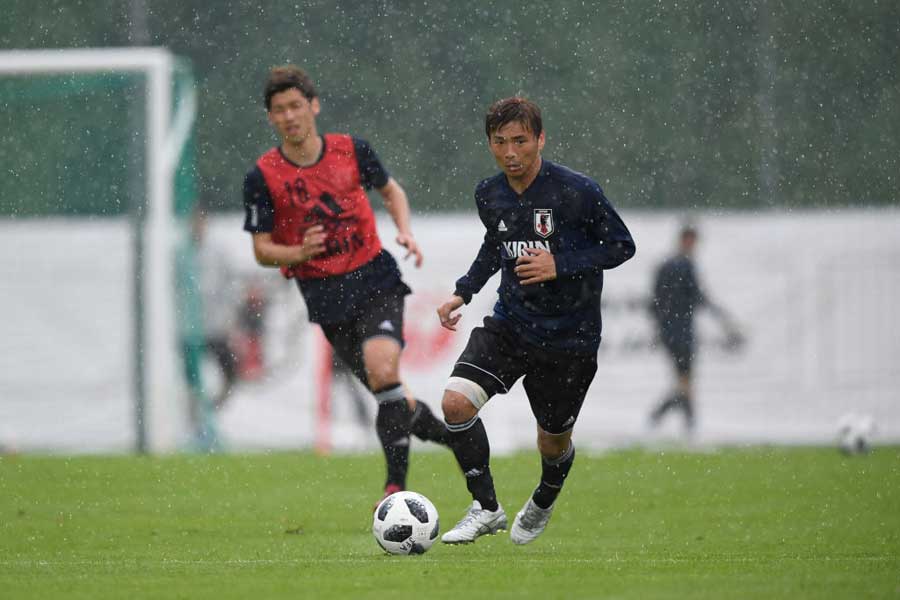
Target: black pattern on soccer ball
398,533
434,532
385,507
417,509
417,549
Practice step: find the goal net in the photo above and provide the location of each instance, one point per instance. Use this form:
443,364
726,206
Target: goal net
96,184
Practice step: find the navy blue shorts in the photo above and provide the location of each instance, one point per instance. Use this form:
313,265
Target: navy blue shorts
555,382
383,316
681,351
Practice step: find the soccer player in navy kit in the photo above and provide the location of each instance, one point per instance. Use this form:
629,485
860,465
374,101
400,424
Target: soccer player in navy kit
309,215
677,295
551,233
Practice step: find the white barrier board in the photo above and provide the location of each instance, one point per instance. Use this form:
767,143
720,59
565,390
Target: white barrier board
814,292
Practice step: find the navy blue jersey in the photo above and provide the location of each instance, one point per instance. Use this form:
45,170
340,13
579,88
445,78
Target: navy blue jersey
565,213
676,295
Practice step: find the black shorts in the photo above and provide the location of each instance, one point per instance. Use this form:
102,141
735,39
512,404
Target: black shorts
555,382
681,351
382,317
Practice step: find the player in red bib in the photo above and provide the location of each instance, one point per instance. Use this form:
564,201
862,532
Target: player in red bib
308,213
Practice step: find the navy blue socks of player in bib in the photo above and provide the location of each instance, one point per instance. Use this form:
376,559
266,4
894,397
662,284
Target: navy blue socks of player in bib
553,475
425,426
469,443
392,427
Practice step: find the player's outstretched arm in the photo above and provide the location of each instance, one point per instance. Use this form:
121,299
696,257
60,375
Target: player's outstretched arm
272,254
445,312
733,332
397,204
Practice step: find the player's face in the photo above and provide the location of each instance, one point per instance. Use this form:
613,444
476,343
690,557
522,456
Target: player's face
293,115
688,243
517,150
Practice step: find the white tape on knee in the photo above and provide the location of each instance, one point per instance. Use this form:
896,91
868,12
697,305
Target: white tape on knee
471,390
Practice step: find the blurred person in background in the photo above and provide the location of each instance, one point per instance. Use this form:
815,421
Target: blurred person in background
247,340
308,214
219,286
192,330
677,294
551,233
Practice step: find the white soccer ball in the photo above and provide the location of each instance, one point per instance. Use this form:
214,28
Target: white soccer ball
405,523
855,433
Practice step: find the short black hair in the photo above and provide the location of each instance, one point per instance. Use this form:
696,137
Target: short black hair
287,77
688,230
512,109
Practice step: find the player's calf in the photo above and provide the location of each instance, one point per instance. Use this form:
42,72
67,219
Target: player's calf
392,427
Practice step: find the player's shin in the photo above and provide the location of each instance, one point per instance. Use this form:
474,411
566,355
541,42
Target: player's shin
553,475
392,426
470,445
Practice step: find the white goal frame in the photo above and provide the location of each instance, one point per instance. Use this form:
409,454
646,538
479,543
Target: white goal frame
158,410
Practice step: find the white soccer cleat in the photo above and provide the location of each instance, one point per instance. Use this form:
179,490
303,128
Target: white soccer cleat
529,523
476,523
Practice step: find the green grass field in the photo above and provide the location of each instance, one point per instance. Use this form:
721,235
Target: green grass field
750,523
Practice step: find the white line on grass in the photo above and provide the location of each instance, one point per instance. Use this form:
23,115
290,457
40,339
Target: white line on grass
456,559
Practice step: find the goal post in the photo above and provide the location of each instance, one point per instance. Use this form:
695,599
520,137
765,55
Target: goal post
169,112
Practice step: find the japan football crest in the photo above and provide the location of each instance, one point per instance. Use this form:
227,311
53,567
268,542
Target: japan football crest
543,221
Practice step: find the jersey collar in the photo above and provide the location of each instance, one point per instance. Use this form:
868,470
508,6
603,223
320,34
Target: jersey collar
540,177
312,164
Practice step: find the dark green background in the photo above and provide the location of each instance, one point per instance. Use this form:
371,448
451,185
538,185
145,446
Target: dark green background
667,105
